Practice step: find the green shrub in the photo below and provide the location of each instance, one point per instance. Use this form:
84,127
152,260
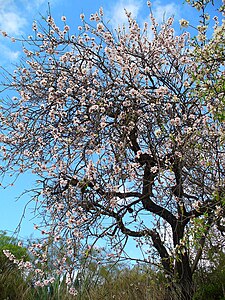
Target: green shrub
13,286
210,281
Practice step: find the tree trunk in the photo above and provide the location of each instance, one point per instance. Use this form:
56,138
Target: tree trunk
184,284
186,289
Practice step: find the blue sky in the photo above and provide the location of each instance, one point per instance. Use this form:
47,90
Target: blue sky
16,17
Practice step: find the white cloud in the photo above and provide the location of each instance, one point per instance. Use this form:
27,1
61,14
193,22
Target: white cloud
11,20
12,23
36,5
163,11
33,5
15,17
12,55
8,55
6,3
139,11
117,14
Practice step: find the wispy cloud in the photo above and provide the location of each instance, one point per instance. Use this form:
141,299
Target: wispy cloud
12,23
35,6
15,18
8,55
140,12
163,11
15,15
11,19
117,14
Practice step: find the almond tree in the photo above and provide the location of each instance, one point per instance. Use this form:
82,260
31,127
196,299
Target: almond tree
122,146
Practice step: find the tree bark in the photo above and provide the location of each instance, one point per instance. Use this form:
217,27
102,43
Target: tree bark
184,285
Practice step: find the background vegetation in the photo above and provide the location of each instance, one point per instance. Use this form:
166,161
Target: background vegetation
109,281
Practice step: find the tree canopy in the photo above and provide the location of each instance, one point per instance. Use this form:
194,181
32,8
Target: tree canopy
122,129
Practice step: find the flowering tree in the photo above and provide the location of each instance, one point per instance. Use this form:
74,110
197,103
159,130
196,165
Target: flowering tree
122,143
208,72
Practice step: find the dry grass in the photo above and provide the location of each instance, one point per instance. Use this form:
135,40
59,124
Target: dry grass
125,284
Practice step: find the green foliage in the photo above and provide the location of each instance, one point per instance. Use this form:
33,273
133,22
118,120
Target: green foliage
9,243
211,280
13,286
